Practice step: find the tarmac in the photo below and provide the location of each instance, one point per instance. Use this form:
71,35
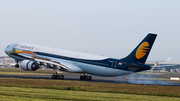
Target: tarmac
127,79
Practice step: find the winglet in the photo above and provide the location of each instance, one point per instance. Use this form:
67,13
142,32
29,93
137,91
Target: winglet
168,59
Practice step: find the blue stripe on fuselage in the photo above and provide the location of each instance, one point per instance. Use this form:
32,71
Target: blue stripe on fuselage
109,62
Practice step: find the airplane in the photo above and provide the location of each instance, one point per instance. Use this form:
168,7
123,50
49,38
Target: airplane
156,62
33,57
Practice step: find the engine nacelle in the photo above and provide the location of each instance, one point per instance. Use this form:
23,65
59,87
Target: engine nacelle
29,65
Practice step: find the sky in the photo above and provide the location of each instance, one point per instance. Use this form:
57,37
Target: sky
112,28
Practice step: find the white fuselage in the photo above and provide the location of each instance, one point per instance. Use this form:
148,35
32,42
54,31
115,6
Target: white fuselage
75,66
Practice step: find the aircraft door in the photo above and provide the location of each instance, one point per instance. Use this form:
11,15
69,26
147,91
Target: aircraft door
75,59
114,64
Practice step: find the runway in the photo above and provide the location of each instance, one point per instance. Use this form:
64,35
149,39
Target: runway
127,79
73,77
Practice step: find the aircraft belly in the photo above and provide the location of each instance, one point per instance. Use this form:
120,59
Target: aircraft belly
102,71
93,69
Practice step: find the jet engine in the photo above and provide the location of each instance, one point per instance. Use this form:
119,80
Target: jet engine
29,65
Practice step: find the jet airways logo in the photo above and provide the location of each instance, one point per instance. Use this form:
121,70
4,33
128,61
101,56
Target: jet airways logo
142,50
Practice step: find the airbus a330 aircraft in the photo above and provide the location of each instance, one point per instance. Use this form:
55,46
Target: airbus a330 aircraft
33,57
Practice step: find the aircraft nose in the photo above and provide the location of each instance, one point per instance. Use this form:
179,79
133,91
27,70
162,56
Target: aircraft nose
6,49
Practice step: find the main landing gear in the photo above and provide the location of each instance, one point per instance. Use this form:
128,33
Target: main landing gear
57,75
85,77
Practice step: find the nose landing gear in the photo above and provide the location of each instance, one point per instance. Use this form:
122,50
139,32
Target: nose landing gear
17,64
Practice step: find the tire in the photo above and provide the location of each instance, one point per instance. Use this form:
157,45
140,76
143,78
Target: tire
89,78
17,66
53,76
62,77
81,77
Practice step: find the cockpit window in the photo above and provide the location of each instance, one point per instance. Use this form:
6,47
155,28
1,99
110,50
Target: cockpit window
16,45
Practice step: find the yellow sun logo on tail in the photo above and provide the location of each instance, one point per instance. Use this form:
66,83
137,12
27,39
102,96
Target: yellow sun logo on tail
142,50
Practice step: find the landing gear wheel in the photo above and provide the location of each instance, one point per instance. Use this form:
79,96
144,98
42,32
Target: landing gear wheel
53,76
85,77
81,77
57,76
62,77
89,78
17,66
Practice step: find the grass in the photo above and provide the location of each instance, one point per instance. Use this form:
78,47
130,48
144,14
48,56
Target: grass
41,89
19,70
35,94
170,91
21,73
14,71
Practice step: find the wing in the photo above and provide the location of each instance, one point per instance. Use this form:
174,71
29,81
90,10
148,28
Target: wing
45,61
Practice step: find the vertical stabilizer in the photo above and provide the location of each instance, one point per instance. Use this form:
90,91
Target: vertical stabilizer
141,52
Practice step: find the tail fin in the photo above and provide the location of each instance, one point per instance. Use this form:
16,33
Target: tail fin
141,52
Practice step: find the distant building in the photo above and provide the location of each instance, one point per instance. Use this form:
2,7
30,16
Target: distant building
6,61
166,67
